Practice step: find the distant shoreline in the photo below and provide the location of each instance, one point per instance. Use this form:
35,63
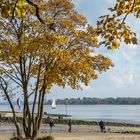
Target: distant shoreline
97,101
90,101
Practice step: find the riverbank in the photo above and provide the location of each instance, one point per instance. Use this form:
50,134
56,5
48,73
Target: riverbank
80,132
9,121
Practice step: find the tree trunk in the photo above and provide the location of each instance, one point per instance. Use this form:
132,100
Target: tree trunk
34,133
38,119
14,114
27,121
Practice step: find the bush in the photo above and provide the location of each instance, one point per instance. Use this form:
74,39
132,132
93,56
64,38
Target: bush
46,138
43,138
17,138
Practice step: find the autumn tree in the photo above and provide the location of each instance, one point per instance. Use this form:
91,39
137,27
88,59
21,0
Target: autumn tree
113,27
8,8
35,56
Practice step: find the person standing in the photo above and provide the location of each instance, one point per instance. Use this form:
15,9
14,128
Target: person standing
69,123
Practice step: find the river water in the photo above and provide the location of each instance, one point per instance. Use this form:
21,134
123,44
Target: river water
113,113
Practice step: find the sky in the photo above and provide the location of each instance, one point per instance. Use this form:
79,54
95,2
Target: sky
120,81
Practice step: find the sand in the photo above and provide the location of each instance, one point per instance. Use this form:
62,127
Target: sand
80,132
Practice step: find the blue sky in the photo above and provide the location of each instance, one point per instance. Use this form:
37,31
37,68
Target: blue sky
121,80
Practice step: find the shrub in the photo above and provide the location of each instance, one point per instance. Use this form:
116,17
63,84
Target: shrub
43,138
46,138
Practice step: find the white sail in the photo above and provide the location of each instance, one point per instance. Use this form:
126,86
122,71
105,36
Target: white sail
19,103
53,104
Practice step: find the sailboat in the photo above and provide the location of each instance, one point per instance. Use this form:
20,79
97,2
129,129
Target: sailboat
19,103
53,104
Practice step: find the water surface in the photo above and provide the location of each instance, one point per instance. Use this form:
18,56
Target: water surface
114,113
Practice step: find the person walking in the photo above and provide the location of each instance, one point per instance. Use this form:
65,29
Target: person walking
69,123
51,123
102,126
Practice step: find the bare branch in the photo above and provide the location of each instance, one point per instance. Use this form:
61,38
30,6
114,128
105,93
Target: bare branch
31,93
10,102
29,69
16,68
15,73
13,78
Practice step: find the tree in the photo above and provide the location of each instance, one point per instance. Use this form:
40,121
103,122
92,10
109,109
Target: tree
113,28
35,56
8,8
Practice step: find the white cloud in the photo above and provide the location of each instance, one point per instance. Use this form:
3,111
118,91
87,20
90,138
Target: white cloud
124,79
130,52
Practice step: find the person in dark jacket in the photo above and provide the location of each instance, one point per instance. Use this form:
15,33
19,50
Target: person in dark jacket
51,123
102,126
69,123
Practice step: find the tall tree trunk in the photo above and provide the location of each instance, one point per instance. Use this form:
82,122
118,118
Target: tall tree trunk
34,103
26,116
35,130
4,88
14,117
39,118
40,111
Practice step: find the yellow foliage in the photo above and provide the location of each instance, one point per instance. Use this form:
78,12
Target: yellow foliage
62,47
112,27
7,8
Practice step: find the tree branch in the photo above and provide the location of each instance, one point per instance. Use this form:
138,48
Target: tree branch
133,4
14,10
37,10
17,77
4,88
13,78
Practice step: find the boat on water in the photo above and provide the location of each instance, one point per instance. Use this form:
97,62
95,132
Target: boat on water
56,115
53,104
19,103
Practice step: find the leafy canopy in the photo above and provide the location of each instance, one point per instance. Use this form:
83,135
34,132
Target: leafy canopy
61,51
113,28
47,43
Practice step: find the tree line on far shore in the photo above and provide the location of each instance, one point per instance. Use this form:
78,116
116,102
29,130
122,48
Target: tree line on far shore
89,101
94,101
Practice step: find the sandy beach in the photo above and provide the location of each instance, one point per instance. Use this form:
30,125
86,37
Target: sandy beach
80,132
